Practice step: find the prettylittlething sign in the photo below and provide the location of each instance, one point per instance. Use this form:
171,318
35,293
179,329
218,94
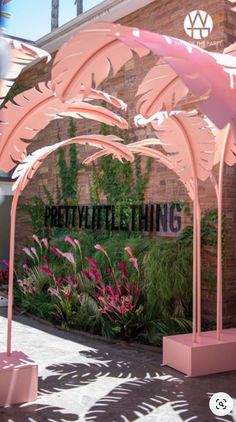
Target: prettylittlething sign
164,219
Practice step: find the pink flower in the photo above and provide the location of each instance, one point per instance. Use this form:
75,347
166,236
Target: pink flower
34,252
100,248
68,293
53,292
129,251
36,239
25,266
69,240
45,243
134,261
91,262
29,253
77,243
46,270
123,268
70,257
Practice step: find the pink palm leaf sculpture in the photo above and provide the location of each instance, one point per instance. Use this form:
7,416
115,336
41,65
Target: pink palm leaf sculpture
161,89
86,60
190,148
21,55
198,69
24,173
225,153
33,110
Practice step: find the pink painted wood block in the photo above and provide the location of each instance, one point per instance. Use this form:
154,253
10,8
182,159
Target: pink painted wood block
207,356
18,379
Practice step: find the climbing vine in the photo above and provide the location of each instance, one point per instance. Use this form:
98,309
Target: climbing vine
121,183
68,170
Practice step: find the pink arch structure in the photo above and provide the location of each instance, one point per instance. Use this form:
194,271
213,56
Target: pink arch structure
80,66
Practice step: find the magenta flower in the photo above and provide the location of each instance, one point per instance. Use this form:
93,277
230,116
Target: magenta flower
109,270
86,273
56,251
59,282
46,260
70,280
91,262
46,270
123,268
95,274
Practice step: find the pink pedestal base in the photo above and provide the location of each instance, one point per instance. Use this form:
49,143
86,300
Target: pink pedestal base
207,356
18,379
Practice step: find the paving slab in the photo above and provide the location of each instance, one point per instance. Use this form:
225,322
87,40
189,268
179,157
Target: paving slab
84,379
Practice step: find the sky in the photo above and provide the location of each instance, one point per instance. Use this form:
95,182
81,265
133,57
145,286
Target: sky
31,19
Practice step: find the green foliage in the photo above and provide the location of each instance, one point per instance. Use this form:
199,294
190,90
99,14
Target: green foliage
36,209
121,183
168,278
68,171
208,232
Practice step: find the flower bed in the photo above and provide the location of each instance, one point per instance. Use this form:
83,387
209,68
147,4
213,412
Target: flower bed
111,297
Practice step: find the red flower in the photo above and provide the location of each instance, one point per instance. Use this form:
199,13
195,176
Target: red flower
123,268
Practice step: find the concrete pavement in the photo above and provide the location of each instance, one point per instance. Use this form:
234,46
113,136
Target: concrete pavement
85,379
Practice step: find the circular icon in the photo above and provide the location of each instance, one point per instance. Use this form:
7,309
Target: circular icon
198,24
221,404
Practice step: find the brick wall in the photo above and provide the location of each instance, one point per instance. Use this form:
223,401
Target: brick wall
164,16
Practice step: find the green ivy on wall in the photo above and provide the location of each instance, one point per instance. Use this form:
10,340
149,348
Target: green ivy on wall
121,183
68,171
